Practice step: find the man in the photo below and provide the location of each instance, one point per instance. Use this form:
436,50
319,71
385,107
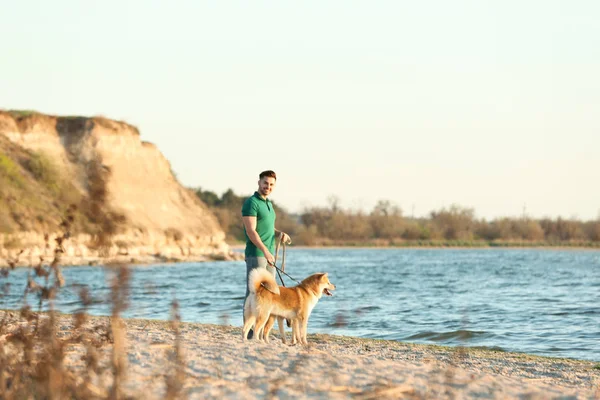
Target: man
258,216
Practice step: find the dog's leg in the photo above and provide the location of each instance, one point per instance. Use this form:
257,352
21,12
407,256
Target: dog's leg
304,330
281,331
259,326
295,331
248,320
301,324
247,325
268,327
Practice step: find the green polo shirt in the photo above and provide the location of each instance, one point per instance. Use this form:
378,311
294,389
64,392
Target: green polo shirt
256,206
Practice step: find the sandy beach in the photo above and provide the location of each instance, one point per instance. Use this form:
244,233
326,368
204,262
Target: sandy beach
216,363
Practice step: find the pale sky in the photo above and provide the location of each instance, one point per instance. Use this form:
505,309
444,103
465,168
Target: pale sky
493,105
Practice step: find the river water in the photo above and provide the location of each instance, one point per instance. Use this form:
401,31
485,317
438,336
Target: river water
544,302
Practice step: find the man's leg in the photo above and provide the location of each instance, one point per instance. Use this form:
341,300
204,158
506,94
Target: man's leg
251,264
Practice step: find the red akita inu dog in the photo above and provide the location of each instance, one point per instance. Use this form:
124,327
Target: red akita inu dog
267,300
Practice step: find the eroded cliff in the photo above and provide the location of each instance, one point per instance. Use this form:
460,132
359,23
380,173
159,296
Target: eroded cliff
123,189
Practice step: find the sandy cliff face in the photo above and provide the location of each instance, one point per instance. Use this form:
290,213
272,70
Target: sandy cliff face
163,220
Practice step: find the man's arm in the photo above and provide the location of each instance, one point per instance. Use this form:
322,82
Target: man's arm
250,225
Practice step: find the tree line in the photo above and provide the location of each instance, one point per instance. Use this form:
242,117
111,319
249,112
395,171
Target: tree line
385,225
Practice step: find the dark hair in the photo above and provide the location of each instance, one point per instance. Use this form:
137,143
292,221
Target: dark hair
268,173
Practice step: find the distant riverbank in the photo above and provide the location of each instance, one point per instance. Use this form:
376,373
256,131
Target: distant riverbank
431,244
14,259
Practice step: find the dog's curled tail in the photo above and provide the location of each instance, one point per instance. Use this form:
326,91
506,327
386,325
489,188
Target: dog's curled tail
260,277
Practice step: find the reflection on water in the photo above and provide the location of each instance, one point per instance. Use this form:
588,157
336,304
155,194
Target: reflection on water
535,301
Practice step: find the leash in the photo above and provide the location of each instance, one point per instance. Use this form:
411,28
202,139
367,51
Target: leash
282,269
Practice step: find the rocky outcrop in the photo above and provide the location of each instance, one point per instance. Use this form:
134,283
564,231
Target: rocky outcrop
128,189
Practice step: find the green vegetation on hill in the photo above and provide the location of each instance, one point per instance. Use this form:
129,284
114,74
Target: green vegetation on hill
386,226
34,193
22,113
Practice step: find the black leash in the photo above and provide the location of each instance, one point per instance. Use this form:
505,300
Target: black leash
279,272
282,269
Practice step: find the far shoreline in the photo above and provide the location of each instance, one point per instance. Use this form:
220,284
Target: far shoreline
237,255
240,247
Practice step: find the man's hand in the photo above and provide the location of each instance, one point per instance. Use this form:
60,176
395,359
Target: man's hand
269,257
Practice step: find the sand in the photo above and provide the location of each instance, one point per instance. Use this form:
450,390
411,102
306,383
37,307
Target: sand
218,364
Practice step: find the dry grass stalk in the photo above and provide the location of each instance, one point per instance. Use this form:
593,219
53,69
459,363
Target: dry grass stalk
175,382
33,365
32,359
120,294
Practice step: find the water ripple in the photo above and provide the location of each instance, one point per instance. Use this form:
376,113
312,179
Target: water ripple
451,336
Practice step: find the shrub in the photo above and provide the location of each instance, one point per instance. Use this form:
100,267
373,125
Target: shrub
10,171
592,230
306,236
455,223
44,171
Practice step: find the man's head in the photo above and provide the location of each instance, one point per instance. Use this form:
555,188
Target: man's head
266,182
